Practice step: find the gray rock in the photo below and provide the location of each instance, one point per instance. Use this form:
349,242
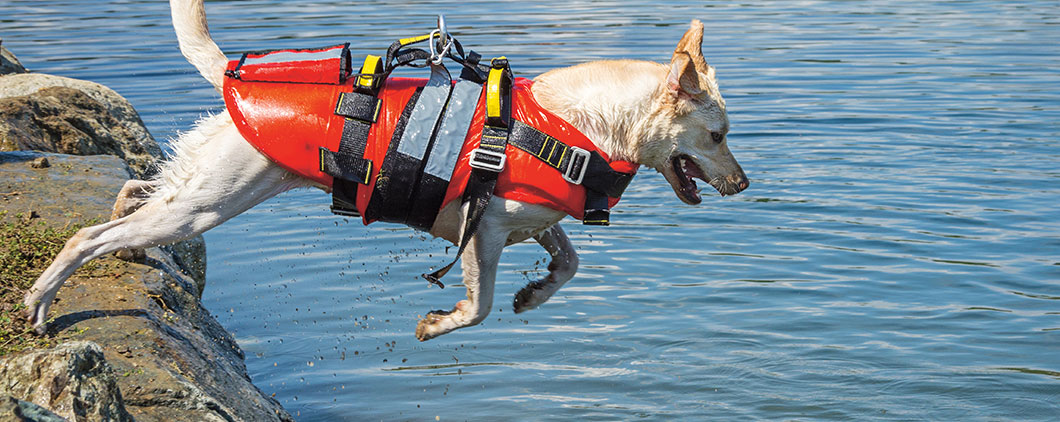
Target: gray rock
73,380
172,359
190,256
122,133
8,62
60,116
70,116
40,163
12,409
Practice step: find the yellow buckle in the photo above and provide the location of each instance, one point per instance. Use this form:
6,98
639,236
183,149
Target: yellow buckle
370,67
493,92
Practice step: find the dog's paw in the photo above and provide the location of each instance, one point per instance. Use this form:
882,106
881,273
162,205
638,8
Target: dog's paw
426,329
524,300
529,297
437,323
34,315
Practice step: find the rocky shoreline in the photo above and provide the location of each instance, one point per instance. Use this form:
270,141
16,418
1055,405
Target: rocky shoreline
133,340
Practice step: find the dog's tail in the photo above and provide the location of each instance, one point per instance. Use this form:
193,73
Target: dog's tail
189,21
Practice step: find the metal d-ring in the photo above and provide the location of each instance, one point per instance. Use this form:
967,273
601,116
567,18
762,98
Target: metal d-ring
443,30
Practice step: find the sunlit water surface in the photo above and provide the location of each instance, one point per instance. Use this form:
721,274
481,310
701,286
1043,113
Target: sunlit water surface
896,256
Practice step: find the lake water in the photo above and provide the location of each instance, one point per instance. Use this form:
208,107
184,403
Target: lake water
897,255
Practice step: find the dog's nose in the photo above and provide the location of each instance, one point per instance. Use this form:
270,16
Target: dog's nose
739,180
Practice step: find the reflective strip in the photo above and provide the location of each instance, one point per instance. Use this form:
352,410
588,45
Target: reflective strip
425,115
451,134
295,56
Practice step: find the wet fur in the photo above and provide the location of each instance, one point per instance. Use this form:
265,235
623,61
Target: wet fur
643,112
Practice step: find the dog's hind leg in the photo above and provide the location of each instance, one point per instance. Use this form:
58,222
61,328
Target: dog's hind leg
561,269
132,196
215,176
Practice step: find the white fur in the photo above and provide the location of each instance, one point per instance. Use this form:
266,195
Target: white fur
638,111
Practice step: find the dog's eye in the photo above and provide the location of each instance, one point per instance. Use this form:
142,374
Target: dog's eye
717,137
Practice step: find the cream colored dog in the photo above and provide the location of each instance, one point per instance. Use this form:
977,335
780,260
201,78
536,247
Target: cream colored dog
669,117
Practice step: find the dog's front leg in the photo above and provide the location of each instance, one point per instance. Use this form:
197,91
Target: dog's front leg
561,269
479,263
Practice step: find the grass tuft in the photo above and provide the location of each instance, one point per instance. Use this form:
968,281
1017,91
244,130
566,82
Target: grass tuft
26,249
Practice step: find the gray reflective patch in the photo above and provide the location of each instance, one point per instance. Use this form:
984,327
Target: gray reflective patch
450,139
426,113
294,56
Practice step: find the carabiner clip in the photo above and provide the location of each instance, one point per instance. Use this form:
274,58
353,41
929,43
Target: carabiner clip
444,40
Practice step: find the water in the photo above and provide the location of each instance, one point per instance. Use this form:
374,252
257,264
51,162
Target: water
896,256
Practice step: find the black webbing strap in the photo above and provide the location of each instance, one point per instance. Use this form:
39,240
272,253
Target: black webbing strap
409,57
578,166
597,209
473,71
487,161
401,172
389,199
348,165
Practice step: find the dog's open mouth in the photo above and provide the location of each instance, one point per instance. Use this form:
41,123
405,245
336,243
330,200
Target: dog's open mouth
684,170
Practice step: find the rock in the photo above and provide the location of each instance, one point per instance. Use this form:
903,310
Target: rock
70,116
78,189
172,359
40,163
121,132
190,256
67,120
12,409
73,190
8,62
72,379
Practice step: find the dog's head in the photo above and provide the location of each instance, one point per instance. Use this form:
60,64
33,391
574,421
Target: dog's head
689,126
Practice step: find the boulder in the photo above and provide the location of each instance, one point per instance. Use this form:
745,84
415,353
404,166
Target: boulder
190,256
70,116
74,189
56,115
172,359
12,409
73,380
8,62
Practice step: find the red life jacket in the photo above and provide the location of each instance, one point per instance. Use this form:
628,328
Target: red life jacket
286,110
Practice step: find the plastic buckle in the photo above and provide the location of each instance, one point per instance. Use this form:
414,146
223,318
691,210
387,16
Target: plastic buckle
487,160
575,154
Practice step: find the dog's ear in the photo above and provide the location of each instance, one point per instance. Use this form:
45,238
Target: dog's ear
688,66
683,78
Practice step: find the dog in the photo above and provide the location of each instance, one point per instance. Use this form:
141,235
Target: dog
669,117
